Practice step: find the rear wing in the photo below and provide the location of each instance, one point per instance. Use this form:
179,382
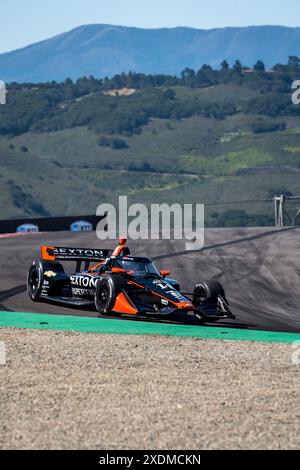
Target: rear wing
58,253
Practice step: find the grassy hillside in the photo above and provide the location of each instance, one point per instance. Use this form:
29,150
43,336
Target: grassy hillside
199,158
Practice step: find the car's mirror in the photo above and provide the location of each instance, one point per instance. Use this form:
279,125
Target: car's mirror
165,273
118,270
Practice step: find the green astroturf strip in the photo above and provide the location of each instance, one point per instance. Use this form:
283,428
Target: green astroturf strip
127,327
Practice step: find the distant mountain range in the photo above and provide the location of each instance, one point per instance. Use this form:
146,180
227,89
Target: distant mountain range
105,50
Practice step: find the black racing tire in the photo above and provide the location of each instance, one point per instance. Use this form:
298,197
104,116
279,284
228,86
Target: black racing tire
35,280
108,287
207,290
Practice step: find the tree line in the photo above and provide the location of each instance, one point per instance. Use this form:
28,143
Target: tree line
54,106
205,76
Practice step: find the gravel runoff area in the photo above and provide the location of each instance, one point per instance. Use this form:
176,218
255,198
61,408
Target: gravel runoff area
85,391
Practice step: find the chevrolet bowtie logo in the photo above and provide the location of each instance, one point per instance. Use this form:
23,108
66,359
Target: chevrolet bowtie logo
49,274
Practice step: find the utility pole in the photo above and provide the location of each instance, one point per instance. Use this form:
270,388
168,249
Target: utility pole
281,214
279,210
296,218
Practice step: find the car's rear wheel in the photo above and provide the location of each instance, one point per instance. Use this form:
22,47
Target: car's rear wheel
106,293
35,280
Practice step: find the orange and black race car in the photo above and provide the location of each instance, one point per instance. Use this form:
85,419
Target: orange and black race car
120,284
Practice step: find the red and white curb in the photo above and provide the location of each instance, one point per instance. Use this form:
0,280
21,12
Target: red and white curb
11,235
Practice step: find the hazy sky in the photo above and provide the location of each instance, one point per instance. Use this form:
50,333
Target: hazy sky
23,22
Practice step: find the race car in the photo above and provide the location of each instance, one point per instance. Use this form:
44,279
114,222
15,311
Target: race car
116,283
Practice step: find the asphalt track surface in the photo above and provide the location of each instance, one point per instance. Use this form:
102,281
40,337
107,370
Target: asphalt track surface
259,268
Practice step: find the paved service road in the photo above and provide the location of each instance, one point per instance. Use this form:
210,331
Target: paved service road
259,268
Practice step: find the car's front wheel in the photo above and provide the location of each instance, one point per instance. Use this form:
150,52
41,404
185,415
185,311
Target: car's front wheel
106,293
210,301
35,280
207,290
